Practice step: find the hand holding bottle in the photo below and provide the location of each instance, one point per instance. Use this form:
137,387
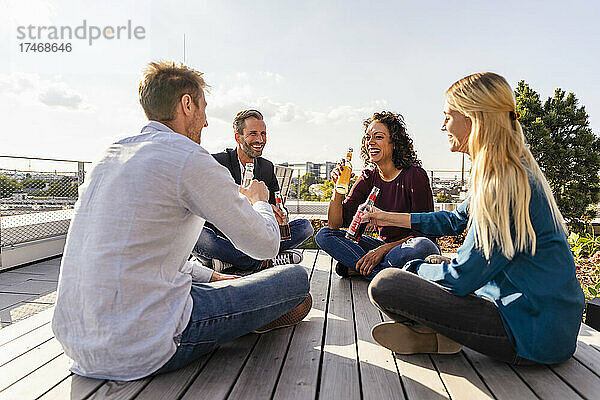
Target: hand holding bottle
256,191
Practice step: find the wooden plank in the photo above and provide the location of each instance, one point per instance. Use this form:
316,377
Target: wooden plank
420,378
299,375
173,384
259,376
25,343
589,336
39,381
503,382
22,327
119,390
415,370
544,383
219,375
75,387
581,379
378,373
588,356
339,373
460,379
29,362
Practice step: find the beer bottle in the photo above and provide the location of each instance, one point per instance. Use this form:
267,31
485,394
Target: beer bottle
341,186
357,228
285,228
248,174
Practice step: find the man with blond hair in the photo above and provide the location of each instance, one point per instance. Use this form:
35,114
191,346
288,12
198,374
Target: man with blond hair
126,305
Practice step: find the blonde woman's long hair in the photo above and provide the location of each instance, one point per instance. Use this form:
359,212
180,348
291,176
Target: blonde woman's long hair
501,161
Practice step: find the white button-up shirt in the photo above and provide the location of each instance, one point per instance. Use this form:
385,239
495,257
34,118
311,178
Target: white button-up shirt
124,286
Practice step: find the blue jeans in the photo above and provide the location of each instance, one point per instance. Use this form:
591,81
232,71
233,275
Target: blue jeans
211,245
225,310
347,252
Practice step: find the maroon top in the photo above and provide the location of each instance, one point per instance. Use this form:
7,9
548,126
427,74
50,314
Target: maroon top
409,192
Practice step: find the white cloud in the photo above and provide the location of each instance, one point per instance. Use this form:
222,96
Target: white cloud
52,93
62,96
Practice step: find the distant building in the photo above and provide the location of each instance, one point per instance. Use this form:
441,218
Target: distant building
329,166
314,168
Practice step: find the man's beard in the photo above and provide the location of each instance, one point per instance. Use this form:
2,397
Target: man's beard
249,151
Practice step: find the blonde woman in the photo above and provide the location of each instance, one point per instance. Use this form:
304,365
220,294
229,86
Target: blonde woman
511,292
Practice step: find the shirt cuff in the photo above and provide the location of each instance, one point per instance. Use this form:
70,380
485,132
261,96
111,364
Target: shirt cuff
413,266
199,272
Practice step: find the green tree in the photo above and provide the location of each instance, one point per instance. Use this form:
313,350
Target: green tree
305,181
443,198
8,186
565,147
327,187
58,189
33,183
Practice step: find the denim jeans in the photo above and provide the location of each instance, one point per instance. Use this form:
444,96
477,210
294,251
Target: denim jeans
347,252
225,310
470,320
211,245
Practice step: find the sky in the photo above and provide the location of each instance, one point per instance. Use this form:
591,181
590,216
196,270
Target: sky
316,69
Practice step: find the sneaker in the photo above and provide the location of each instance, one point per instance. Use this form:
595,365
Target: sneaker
344,271
405,339
219,265
283,258
290,318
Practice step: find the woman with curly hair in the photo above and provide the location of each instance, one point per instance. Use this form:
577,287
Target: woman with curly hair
404,187
511,291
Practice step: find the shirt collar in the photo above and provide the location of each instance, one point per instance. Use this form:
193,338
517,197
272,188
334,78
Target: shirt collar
156,126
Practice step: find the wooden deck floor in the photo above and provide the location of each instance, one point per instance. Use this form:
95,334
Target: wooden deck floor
330,355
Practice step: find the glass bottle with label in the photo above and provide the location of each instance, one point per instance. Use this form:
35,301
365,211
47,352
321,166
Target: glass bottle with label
248,174
341,186
357,228
284,228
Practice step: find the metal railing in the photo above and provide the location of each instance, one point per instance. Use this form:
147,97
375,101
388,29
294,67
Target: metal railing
37,196
450,182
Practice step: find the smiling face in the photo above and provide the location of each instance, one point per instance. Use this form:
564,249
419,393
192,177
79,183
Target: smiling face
378,142
254,137
458,128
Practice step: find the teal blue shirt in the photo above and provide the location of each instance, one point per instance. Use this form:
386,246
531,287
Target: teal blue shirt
539,297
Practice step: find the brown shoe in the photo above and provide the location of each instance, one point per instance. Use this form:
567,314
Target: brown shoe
290,318
437,259
403,339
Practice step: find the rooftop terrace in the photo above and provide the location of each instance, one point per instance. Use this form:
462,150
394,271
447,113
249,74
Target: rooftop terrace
330,355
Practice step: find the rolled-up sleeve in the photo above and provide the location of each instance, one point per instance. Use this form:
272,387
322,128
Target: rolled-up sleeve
466,273
441,223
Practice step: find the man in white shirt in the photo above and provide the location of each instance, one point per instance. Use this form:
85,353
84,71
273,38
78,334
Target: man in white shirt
126,306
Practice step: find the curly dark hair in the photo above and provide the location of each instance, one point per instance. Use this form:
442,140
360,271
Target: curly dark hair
403,154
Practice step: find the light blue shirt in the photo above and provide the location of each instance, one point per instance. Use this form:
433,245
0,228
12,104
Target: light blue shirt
124,285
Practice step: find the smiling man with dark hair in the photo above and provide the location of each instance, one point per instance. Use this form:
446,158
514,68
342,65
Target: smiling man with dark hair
213,247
